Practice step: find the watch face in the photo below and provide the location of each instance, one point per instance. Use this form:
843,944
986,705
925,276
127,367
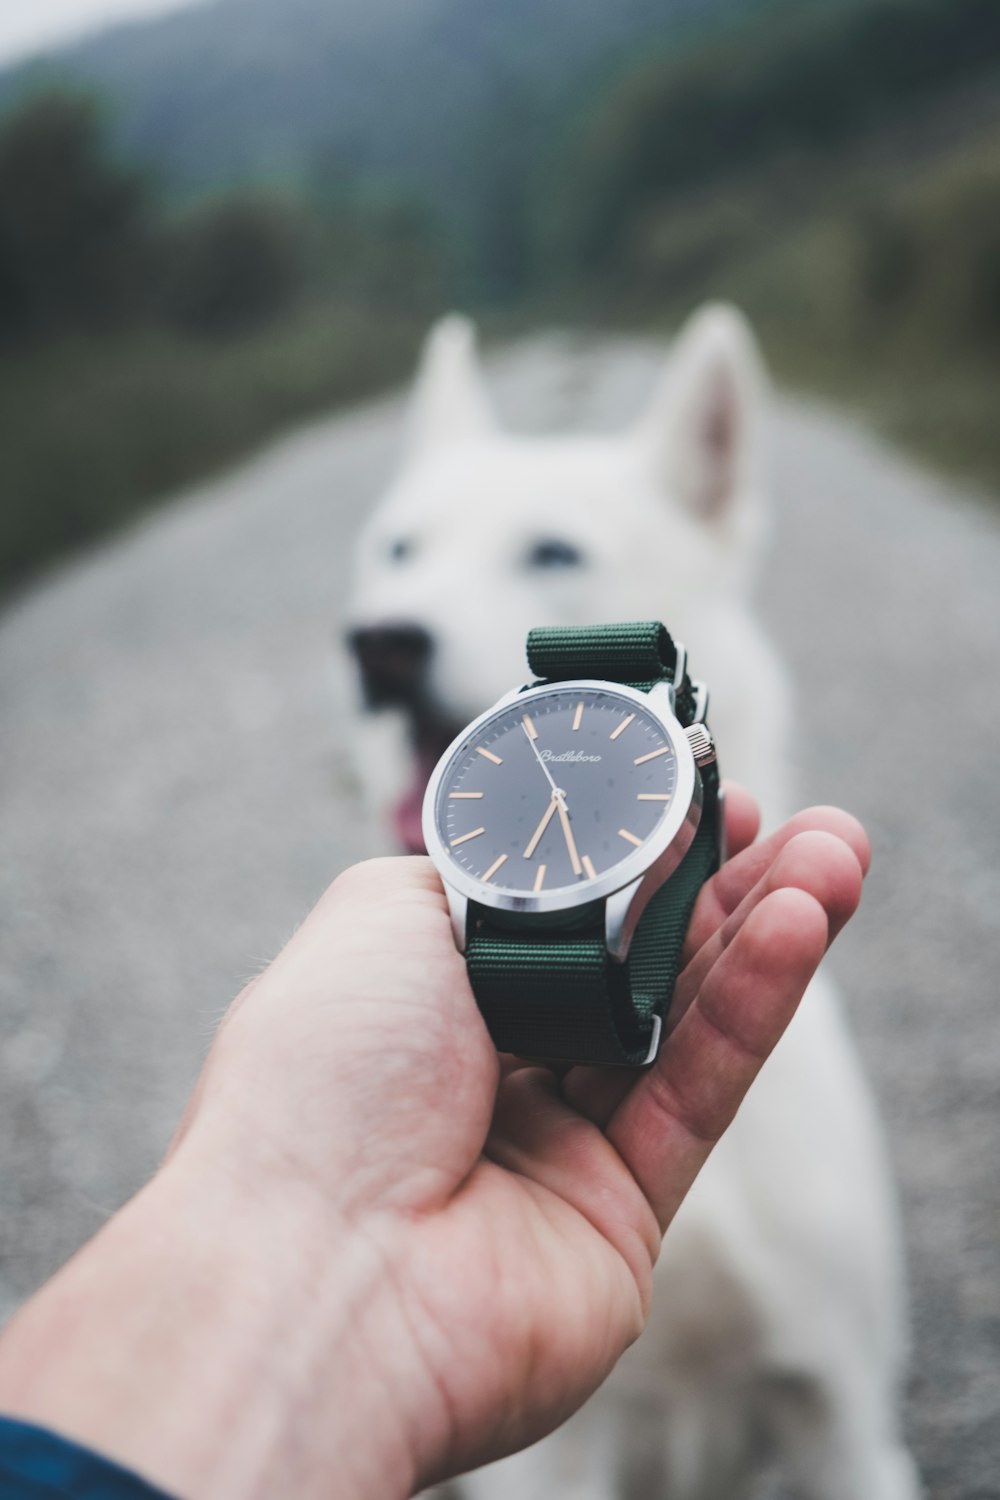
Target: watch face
555,790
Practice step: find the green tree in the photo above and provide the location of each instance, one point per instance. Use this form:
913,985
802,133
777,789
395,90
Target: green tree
73,224
762,95
232,266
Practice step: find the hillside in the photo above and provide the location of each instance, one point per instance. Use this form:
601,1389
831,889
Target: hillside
242,90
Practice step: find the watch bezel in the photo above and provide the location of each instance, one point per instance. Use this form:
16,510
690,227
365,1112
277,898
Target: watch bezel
662,851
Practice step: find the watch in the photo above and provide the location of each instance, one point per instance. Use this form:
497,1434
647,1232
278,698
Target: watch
573,825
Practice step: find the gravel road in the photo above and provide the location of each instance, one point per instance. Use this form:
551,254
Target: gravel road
174,793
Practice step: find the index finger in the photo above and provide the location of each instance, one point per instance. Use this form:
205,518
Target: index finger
721,895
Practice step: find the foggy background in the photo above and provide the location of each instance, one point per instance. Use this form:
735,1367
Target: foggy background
216,222
223,233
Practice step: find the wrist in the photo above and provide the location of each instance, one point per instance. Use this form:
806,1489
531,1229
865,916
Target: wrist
228,1347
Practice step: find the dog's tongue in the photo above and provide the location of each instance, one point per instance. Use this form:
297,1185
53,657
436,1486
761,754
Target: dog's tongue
406,815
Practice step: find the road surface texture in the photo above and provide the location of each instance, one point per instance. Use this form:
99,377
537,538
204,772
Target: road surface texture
174,793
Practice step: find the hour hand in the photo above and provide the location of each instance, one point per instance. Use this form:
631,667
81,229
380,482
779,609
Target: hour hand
546,817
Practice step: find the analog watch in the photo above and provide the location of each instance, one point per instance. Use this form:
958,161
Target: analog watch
573,825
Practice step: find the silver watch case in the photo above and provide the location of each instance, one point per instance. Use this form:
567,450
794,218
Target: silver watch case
627,887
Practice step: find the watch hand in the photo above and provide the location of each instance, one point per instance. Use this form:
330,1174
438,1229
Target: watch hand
534,751
532,846
560,802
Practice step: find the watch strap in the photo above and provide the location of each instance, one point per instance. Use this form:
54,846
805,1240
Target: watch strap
636,653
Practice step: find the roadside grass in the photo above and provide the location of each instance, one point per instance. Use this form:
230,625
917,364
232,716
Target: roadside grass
94,431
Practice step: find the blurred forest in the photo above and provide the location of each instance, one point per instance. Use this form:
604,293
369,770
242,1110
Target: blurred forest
215,224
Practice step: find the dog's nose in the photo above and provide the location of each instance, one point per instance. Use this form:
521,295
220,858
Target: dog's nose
393,659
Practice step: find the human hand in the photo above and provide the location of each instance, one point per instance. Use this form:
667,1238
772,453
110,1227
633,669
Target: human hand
392,1255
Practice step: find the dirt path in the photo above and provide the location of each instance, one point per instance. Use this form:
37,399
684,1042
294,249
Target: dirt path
173,794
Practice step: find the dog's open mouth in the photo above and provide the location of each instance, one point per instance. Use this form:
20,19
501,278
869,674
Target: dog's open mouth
392,659
431,736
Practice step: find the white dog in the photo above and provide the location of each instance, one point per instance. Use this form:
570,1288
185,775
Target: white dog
778,1325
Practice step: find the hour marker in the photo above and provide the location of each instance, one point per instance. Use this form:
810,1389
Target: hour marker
651,755
578,716
463,796
653,797
588,865
494,867
463,838
539,878
622,726
532,731
496,759
623,833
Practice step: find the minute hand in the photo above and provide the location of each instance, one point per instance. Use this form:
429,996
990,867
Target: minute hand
568,833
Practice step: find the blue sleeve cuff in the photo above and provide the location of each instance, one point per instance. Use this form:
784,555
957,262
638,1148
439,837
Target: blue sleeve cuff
36,1464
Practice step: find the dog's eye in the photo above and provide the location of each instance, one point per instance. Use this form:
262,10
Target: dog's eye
400,549
553,552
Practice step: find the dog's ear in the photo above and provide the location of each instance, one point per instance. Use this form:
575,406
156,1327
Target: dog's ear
449,402
701,429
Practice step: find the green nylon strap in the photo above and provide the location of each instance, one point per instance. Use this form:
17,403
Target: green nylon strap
636,652
553,991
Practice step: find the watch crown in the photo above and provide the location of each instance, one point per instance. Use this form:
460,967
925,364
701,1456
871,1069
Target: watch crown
702,744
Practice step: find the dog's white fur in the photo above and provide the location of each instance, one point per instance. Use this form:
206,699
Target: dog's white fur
778,1322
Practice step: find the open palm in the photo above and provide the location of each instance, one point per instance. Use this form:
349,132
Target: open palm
515,1211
